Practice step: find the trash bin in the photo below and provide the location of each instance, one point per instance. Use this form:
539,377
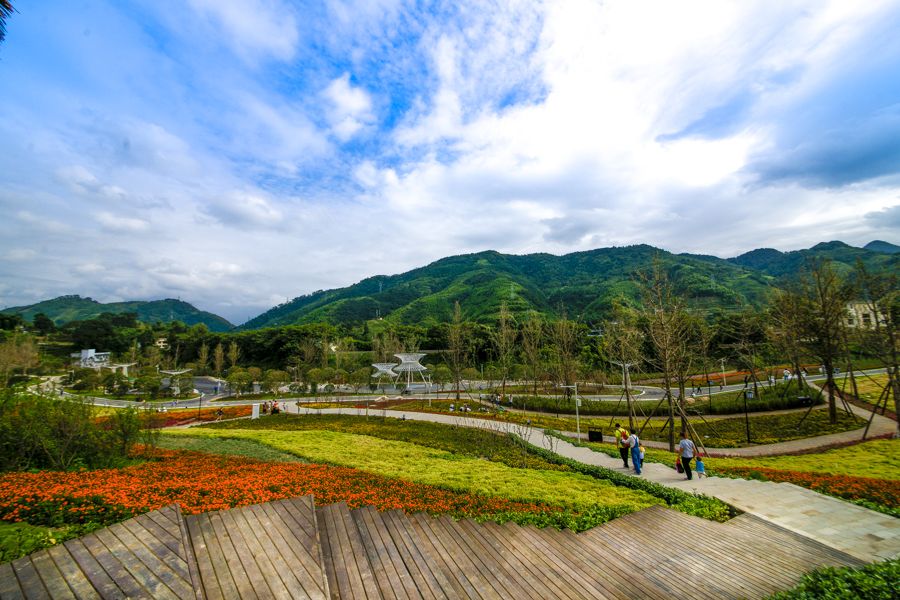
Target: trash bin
804,400
595,435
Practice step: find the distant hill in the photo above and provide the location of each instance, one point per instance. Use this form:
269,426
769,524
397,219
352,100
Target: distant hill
778,264
883,247
583,284
75,308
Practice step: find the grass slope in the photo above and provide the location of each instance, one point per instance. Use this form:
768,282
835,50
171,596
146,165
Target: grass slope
411,462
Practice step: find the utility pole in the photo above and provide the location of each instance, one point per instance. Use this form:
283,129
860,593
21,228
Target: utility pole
577,404
722,363
626,382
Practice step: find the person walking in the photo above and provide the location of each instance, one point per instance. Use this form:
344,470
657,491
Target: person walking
621,437
635,445
686,450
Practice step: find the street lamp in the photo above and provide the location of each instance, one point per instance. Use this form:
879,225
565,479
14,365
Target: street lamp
577,403
626,383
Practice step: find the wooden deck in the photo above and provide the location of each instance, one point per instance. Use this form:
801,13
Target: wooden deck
292,549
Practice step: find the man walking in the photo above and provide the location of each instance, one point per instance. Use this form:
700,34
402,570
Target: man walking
621,437
686,449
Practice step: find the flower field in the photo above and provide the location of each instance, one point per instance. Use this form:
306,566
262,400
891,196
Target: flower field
204,482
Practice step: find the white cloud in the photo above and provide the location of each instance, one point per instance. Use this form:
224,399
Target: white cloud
243,210
113,222
254,26
351,107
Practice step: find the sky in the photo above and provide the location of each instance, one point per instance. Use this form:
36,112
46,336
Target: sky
236,154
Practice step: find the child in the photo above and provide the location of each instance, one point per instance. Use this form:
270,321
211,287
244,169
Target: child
700,468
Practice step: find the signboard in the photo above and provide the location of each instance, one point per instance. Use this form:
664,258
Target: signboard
255,412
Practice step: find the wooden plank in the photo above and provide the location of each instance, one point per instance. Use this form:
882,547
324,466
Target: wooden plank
535,564
328,560
303,512
176,582
174,544
431,579
456,559
439,557
173,559
190,555
306,506
504,582
29,580
72,573
385,574
230,559
565,559
757,566
643,543
93,570
415,583
9,583
353,574
270,539
757,526
208,582
167,518
509,561
145,576
53,580
297,551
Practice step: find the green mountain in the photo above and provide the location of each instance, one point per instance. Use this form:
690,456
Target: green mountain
778,264
882,246
75,308
583,284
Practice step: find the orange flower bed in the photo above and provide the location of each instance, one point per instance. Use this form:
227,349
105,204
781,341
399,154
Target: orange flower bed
880,491
203,482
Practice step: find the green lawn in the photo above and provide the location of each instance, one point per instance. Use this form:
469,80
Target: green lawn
869,388
236,447
412,462
19,539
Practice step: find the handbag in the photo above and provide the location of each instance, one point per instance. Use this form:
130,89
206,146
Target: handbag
678,466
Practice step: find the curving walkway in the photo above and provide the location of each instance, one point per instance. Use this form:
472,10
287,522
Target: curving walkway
865,534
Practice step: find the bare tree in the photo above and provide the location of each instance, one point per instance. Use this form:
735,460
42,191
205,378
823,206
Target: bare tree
881,293
532,342
621,342
6,11
504,337
564,334
458,342
821,297
667,328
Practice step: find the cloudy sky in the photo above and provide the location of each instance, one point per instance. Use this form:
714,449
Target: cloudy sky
238,153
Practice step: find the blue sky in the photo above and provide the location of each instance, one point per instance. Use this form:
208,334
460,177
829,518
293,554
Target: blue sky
236,154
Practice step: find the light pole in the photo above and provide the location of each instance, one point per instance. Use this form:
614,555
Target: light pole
577,403
722,365
626,382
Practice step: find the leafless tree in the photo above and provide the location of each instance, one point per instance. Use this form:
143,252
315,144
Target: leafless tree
459,347
504,337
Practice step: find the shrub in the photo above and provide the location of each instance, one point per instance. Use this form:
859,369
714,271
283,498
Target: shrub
872,582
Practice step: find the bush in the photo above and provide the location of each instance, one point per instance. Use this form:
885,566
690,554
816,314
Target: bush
872,582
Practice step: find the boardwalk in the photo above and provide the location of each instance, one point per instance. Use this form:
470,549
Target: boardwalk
293,549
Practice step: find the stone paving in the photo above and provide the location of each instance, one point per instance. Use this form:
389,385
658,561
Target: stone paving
860,532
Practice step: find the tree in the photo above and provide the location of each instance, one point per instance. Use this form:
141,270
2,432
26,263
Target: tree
360,377
219,359
621,343
504,338
234,354
17,352
458,349
202,358
6,11
532,342
43,324
881,293
564,335
667,328
275,378
821,297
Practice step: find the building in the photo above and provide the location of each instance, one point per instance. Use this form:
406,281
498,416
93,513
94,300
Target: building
860,315
91,359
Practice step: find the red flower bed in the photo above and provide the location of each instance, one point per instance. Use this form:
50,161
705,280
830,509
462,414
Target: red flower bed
202,482
879,491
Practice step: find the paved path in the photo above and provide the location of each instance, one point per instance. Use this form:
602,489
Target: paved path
860,532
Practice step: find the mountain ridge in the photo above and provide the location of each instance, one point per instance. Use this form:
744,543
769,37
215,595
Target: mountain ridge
73,307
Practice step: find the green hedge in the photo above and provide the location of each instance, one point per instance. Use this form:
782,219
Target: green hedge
879,581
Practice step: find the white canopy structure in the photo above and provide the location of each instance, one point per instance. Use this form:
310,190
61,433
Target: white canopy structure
173,379
409,364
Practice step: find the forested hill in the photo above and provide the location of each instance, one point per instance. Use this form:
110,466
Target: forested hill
583,284
876,255
75,308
